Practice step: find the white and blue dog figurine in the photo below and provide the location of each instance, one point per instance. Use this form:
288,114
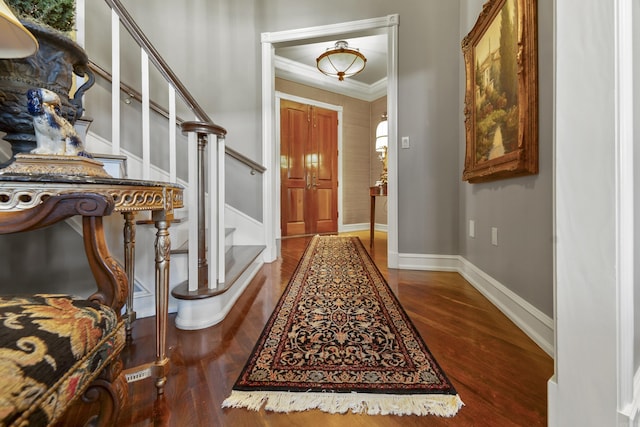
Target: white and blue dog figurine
54,134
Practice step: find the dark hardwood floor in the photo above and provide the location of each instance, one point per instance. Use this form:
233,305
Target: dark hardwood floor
500,374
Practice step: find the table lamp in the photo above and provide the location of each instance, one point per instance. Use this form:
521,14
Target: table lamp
15,40
382,145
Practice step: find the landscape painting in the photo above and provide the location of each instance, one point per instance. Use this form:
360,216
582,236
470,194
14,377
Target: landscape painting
501,96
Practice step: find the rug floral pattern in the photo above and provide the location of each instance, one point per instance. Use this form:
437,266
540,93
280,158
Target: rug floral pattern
339,328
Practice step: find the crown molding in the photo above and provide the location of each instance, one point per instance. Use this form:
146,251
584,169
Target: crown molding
310,76
326,32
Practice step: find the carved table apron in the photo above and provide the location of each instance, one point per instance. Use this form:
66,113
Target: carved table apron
23,192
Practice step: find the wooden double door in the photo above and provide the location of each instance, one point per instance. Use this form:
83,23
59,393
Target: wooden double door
308,169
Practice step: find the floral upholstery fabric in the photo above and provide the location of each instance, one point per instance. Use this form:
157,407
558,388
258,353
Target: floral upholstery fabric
51,348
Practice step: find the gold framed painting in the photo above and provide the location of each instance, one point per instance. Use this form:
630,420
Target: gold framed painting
501,99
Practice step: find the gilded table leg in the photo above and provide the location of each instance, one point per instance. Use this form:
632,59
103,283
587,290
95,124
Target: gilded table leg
163,250
129,232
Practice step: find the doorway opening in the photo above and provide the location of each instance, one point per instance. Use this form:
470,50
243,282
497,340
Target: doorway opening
271,151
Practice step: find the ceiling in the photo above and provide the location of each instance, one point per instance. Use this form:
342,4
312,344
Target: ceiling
298,63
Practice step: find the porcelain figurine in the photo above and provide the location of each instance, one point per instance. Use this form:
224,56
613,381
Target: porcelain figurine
54,134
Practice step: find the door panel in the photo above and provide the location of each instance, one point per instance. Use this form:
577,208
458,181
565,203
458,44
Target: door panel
325,128
295,223
309,164
325,219
297,128
326,183
294,127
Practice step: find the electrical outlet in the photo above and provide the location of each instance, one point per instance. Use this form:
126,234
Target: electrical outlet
405,142
494,236
472,228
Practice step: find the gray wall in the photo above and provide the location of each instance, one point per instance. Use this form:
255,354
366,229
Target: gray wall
200,67
521,208
428,106
214,47
49,260
215,50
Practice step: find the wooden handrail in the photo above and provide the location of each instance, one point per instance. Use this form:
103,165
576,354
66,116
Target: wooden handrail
133,93
255,167
201,127
127,21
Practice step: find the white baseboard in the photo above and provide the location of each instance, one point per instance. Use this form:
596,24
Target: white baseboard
428,262
381,227
552,399
349,228
634,419
537,325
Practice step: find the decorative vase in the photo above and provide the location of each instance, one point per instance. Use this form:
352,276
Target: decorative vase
51,67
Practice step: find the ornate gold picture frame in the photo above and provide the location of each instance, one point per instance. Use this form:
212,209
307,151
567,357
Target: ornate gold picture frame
501,100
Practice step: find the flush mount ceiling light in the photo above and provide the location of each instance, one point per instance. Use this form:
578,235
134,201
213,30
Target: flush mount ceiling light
341,61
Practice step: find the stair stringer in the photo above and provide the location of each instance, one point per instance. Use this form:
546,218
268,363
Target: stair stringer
248,231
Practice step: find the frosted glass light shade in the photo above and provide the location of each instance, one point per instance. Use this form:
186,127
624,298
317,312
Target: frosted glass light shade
341,61
382,135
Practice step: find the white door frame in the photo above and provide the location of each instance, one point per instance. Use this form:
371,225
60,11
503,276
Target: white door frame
271,189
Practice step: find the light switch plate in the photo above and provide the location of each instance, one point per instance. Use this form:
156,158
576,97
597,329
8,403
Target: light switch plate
405,142
494,236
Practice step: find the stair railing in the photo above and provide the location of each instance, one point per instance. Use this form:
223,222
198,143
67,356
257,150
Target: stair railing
201,133
131,93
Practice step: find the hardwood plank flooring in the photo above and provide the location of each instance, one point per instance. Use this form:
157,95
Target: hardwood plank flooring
500,374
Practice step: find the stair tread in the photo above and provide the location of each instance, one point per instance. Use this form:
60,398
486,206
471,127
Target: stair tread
237,260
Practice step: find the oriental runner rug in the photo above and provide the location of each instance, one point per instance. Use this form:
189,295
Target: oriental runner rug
338,341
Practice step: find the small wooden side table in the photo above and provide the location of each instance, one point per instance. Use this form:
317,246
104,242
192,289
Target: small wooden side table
24,192
375,192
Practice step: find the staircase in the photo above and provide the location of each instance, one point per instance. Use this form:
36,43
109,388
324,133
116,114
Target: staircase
217,249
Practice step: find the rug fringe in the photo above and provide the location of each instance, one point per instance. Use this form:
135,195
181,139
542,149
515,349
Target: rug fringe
340,403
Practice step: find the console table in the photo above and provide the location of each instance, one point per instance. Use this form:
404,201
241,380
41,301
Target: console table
20,193
375,192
